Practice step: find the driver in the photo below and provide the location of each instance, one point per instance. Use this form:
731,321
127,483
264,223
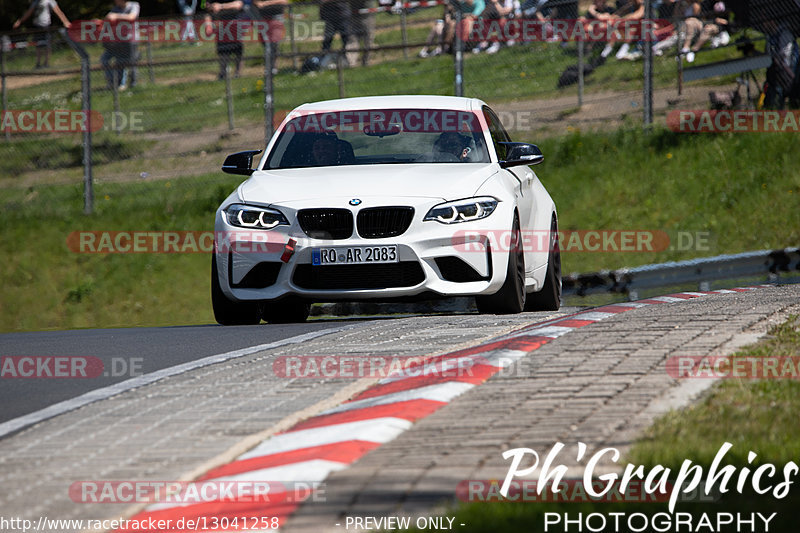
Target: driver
326,151
453,143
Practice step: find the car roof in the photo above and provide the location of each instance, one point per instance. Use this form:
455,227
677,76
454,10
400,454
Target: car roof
395,102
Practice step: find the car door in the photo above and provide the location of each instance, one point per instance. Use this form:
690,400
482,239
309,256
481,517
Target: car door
523,178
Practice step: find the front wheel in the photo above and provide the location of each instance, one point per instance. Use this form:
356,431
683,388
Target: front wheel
549,298
511,296
228,312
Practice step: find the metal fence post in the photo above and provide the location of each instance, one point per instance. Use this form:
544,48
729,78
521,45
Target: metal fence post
229,96
678,57
269,109
151,70
459,56
340,58
580,73
86,106
292,42
404,30
116,115
3,77
648,69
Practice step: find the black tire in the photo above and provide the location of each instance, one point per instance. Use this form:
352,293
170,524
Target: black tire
286,311
510,298
228,312
549,298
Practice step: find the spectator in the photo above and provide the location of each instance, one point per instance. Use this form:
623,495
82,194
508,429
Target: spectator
363,29
632,10
782,74
123,54
496,10
715,23
187,8
470,11
666,36
600,10
441,33
228,51
336,15
536,9
691,25
40,9
272,12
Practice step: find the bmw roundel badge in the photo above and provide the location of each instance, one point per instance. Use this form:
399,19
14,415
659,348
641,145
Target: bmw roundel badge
355,201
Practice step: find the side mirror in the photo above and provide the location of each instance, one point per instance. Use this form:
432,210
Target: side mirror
240,163
521,154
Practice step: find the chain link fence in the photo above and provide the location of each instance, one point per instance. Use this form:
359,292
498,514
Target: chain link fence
169,108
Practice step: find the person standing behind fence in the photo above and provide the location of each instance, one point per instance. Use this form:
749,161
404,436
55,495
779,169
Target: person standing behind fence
272,12
123,54
228,50
40,9
336,15
363,30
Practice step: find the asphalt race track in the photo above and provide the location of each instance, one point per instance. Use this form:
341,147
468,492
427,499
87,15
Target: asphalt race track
156,348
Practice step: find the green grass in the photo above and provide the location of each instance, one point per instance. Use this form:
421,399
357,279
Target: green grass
674,183
47,286
753,415
743,190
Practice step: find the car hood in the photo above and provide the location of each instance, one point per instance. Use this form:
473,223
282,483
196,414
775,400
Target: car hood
446,181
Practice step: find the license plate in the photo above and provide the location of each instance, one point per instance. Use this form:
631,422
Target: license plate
354,255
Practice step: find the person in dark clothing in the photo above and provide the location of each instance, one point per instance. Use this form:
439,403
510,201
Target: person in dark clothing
362,26
227,52
272,12
336,15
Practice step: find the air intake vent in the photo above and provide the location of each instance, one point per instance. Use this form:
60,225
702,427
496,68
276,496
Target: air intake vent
380,276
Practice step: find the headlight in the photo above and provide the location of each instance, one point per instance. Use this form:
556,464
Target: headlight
248,216
462,210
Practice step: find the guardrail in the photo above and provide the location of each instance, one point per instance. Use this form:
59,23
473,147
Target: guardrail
774,265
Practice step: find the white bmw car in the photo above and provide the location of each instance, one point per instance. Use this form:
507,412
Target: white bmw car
385,198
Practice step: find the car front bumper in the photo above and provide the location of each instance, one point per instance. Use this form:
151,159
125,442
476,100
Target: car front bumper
273,264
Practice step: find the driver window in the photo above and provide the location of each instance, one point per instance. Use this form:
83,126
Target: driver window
497,132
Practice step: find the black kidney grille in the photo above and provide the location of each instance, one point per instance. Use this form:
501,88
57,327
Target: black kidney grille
327,223
380,222
379,276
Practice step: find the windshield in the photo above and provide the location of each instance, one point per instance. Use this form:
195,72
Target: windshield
376,137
